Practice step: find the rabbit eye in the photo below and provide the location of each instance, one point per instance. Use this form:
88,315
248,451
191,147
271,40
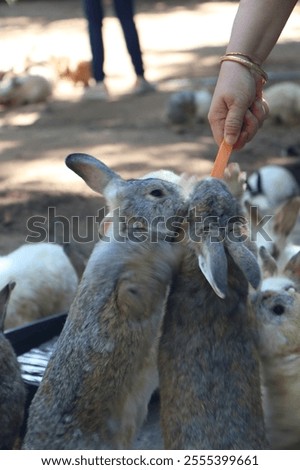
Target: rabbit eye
157,193
278,309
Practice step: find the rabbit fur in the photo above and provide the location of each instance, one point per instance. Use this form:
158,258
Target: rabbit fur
208,359
99,380
24,89
46,282
187,107
12,388
277,306
269,187
284,103
271,201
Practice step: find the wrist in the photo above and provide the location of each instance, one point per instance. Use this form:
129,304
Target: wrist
245,61
249,55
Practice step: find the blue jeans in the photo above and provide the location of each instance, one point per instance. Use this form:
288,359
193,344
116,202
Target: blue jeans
125,12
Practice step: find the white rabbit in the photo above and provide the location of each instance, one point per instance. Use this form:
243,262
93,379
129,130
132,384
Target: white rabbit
269,187
46,282
24,89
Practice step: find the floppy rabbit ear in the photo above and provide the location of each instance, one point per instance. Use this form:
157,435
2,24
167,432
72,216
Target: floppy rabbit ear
95,173
246,261
4,297
213,264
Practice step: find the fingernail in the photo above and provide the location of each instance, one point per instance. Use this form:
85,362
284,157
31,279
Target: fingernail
230,139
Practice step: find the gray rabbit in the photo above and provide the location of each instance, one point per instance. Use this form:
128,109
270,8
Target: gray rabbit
208,360
12,387
187,107
98,383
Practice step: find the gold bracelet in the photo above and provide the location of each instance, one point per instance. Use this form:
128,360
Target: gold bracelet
241,54
246,62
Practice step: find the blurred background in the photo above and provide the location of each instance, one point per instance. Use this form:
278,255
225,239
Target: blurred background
181,43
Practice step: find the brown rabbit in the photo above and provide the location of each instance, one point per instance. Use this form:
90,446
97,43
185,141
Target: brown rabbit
98,383
82,73
12,388
208,360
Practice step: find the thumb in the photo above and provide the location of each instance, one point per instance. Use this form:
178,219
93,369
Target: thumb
233,125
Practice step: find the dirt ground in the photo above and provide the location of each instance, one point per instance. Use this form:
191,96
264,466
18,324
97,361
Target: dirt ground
181,42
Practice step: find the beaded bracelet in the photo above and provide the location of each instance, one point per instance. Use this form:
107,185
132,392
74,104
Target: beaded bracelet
246,61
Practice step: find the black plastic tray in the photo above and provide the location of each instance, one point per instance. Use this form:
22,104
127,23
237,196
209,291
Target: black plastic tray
29,343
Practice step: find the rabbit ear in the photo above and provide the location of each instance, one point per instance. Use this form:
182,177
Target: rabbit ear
286,216
213,264
96,175
292,268
269,265
246,261
4,297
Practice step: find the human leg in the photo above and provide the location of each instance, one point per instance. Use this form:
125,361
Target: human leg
125,12
94,14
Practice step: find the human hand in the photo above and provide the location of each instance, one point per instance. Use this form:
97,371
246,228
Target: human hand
238,109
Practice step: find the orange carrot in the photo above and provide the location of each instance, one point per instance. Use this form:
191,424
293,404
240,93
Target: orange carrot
221,160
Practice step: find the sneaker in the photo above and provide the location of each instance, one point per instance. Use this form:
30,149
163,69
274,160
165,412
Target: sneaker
96,92
142,86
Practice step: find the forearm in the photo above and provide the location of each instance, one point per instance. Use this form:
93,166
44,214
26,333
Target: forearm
257,26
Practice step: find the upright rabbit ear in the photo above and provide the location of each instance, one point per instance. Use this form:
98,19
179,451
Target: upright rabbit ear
246,261
4,297
269,265
292,268
286,216
213,264
96,175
